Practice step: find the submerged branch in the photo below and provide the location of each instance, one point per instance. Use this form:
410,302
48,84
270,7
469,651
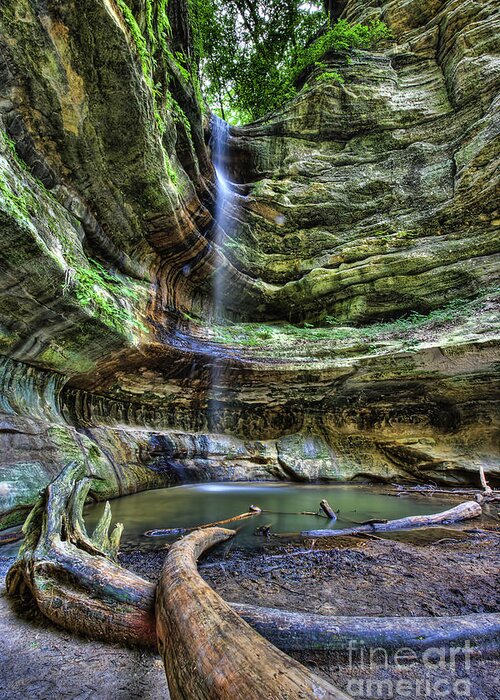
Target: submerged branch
252,510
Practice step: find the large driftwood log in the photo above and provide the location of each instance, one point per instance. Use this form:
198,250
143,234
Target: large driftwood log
464,511
74,582
296,631
209,652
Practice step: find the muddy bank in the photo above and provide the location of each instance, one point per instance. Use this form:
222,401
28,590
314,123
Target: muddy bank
438,572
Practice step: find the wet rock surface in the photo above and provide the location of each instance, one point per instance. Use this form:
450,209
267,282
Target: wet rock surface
361,246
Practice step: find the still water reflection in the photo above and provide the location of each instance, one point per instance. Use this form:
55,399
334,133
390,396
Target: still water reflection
195,504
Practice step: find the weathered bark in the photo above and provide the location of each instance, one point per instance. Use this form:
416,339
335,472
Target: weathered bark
482,476
71,576
327,509
296,631
488,495
464,511
208,651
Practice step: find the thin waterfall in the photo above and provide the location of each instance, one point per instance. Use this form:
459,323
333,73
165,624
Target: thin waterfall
224,200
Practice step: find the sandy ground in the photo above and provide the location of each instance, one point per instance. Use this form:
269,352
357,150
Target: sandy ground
41,662
432,573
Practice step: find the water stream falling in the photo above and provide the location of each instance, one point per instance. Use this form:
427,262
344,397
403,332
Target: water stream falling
225,200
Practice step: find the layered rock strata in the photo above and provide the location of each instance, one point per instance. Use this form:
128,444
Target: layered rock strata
358,267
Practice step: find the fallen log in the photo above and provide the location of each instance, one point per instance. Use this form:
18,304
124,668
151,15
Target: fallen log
209,652
75,583
464,511
317,513
296,631
252,510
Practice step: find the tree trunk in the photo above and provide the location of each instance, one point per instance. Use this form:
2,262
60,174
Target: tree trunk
296,631
464,511
208,651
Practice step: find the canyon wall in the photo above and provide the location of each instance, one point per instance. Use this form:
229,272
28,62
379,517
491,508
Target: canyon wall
359,260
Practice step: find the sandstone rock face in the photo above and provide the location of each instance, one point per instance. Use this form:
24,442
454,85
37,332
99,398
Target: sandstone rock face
378,197
357,262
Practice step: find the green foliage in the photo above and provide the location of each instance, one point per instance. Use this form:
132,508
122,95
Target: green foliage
331,76
342,37
252,51
15,204
415,320
12,147
245,48
180,118
139,40
335,331
157,30
95,286
25,199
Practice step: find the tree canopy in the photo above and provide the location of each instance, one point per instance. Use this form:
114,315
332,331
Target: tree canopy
252,51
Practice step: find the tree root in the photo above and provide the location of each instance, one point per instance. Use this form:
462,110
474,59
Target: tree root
295,631
72,577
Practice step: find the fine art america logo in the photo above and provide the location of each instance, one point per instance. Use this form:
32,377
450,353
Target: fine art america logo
432,674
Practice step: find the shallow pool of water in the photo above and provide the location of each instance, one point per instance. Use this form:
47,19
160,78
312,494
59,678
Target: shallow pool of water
196,504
